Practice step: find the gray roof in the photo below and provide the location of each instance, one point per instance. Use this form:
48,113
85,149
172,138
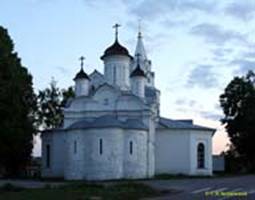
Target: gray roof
180,124
150,92
108,121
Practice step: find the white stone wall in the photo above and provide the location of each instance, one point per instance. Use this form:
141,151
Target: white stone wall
85,161
204,137
115,162
108,165
56,141
74,156
176,151
138,86
116,71
81,87
135,164
172,151
96,79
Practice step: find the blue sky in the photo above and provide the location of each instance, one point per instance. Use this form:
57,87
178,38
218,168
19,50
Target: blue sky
196,46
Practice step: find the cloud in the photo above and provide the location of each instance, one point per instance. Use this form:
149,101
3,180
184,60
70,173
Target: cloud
186,102
202,76
153,10
243,10
215,34
173,23
221,52
249,54
221,55
63,70
244,65
210,115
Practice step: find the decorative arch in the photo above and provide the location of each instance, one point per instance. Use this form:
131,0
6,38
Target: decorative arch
200,155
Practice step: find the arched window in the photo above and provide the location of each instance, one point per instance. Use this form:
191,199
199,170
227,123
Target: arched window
75,147
48,156
131,147
100,146
200,155
106,101
92,88
114,75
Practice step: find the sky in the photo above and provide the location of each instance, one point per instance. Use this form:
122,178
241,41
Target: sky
196,46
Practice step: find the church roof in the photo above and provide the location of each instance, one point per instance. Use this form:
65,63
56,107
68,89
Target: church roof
116,49
108,121
140,47
180,124
150,92
137,72
81,75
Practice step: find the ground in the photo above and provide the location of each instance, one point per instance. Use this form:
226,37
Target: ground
196,188
172,188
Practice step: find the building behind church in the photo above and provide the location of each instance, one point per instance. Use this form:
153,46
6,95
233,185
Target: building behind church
113,129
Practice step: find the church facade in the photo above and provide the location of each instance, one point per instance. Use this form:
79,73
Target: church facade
113,129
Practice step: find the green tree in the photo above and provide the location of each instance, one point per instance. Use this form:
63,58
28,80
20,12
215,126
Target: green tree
238,104
50,104
17,108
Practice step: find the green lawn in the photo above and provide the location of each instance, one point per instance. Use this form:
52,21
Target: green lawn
80,191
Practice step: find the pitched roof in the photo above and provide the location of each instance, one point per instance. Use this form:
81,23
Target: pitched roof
108,121
165,123
140,47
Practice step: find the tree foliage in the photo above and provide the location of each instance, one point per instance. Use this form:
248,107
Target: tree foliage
238,104
17,108
51,102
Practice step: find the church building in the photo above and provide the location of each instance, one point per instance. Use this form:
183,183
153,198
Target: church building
113,129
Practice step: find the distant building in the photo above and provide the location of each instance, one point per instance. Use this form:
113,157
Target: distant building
218,163
113,128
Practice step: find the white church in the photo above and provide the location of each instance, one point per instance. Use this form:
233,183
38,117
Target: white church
113,129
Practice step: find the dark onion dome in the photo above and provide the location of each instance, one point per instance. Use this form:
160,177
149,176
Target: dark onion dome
116,49
81,75
137,72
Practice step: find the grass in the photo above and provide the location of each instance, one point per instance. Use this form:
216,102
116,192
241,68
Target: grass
80,191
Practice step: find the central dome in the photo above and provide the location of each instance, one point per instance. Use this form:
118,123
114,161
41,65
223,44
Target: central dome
116,49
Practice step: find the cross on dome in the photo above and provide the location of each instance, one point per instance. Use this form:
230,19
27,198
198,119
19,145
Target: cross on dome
116,26
82,58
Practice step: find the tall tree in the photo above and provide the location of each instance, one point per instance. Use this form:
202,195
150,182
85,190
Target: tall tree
51,101
17,108
238,104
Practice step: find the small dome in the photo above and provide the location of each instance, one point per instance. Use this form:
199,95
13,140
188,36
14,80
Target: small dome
116,49
137,72
81,75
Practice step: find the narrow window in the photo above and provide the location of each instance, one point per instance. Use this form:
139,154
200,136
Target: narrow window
114,74
201,156
106,101
131,147
75,147
92,88
101,146
48,156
